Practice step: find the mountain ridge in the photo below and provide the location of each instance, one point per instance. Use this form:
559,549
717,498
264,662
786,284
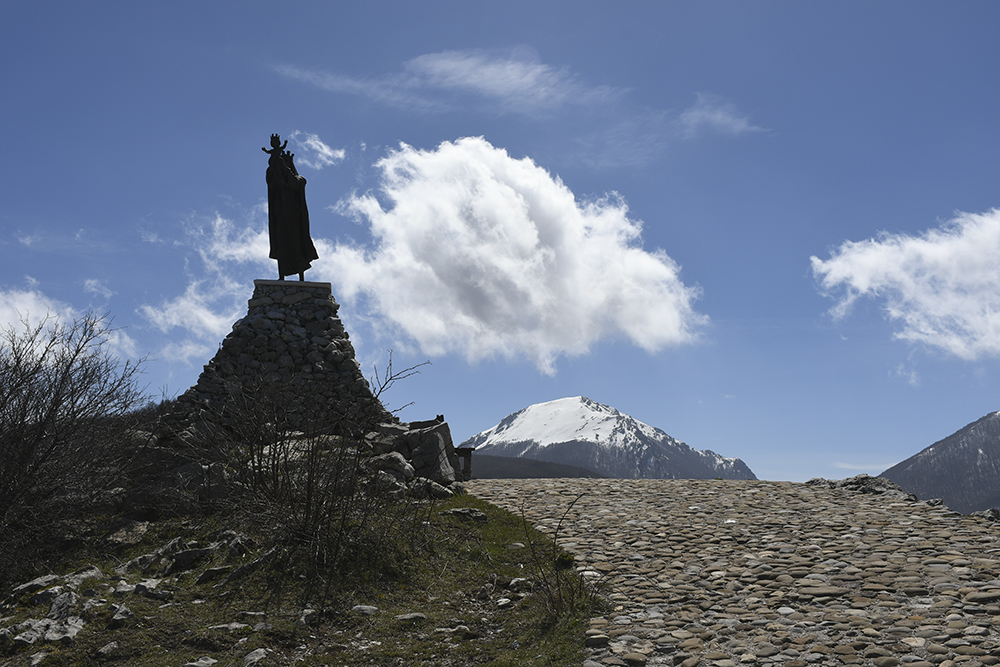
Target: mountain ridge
961,469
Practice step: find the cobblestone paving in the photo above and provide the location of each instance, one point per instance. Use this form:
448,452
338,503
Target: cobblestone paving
724,573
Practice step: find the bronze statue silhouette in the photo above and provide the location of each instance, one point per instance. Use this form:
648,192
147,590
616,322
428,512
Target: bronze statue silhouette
287,215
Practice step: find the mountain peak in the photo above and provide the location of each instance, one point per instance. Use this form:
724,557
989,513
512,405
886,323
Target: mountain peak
562,420
581,432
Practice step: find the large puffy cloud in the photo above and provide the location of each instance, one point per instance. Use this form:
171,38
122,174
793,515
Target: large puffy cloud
482,254
943,286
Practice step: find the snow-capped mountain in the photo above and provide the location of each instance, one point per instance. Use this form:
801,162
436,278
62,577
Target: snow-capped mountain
962,469
580,432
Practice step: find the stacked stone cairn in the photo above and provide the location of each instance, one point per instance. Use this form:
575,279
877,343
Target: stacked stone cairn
292,347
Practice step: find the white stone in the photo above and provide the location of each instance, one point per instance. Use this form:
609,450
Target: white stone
253,657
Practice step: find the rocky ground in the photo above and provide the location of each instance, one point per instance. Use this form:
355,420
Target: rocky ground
190,593
724,573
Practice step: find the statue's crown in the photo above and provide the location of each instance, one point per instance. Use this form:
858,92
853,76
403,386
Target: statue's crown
275,141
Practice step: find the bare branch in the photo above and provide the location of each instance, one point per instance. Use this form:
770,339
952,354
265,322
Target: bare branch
382,383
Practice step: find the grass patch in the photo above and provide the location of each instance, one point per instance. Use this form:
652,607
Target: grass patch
439,599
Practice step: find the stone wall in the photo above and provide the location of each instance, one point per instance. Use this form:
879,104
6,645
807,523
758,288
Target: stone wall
291,343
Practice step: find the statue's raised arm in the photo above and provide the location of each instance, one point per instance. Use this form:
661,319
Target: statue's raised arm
276,145
287,215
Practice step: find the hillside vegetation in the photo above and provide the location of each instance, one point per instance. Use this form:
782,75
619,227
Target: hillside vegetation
119,547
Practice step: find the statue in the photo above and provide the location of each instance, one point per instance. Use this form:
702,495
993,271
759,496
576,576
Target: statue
287,216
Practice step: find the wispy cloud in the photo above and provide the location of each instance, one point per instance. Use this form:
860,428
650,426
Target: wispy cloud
97,287
942,287
640,136
66,244
713,113
205,310
632,140
318,154
516,85
907,373
32,306
453,79
216,293
221,242
607,129
149,236
187,351
482,254
387,90
634,137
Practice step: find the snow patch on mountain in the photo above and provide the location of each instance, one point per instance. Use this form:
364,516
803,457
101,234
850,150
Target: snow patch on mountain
579,431
564,420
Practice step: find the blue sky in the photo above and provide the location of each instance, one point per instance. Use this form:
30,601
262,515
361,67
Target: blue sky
768,228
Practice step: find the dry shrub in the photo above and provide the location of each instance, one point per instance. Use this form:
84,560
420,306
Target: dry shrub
65,439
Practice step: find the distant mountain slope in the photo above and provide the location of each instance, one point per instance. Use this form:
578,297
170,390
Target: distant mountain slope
485,466
580,432
962,469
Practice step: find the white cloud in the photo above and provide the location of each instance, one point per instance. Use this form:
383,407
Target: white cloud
909,374
631,140
204,309
150,236
121,344
318,154
97,287
599,126
638,136
431,82
214,298
222,243
712,112
514,84
483,254
942,287
186,351
32,305
386,91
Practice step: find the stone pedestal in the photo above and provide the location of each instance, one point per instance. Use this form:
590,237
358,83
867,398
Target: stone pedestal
291,353
291,343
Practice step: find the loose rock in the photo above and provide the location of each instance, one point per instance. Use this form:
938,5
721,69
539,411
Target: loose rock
720,573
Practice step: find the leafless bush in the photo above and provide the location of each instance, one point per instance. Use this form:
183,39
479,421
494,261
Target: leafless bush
297,472
64,437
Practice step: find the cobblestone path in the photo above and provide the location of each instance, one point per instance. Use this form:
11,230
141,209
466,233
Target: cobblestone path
724,573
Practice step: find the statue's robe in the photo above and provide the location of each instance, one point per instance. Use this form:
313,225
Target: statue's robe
288,219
